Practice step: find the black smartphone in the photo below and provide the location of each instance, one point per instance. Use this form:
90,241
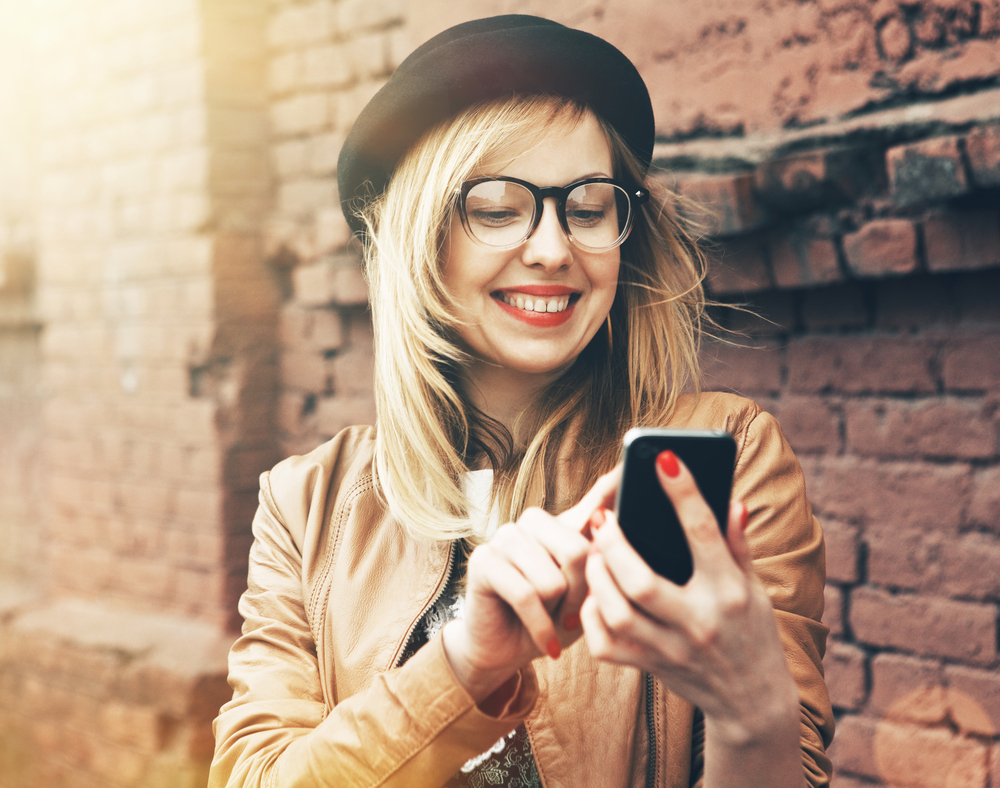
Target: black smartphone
646,515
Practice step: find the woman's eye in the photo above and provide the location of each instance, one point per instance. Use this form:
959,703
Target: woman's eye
494,218
585,217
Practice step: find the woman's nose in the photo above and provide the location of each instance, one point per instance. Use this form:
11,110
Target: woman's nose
548,246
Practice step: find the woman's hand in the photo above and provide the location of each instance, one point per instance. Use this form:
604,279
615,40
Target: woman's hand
525,590
713,641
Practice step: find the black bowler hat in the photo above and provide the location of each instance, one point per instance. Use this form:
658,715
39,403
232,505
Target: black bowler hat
481,60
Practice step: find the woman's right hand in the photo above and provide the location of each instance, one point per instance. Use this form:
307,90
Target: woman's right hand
525,590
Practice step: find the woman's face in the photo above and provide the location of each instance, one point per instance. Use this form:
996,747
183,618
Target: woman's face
493,287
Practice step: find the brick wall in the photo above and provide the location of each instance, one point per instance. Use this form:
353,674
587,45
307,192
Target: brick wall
158,358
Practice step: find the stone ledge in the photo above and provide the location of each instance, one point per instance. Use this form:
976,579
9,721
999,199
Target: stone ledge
891,125
173,643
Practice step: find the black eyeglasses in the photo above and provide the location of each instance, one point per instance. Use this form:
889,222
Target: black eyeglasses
596,213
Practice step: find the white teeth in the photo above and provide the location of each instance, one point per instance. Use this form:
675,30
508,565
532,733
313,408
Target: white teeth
557,304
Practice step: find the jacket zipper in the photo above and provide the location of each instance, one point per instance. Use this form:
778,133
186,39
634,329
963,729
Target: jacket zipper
449,569
651,732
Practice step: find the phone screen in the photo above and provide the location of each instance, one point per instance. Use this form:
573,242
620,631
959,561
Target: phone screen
646,515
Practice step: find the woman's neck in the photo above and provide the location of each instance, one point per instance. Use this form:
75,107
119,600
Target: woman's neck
502,393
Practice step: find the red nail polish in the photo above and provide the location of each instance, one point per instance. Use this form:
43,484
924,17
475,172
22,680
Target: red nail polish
667,461
572,621
744,517
597,518
554,648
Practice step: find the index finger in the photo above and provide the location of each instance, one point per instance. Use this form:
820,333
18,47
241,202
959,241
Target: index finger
709,550
601,495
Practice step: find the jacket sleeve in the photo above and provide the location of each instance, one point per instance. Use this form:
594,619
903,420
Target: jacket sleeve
786,544
413,726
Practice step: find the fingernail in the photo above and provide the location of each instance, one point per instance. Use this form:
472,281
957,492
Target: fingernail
572,621
667,461
597,518
554,648
744,517
593,549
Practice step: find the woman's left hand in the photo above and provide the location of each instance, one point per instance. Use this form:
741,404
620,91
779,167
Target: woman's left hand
713,641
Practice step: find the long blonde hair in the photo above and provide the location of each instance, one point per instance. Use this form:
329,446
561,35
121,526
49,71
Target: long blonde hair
428,432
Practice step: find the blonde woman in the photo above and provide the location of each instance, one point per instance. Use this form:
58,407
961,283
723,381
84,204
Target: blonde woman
445,598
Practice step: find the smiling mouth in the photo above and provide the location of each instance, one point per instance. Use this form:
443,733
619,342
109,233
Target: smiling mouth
528,303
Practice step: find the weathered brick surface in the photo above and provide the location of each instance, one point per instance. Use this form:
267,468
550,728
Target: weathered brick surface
800,258
817,178
842,551
844,668
926,171
946,428
962,241
863,364
884,247
974,700
928,626
908,689
725,204
982,146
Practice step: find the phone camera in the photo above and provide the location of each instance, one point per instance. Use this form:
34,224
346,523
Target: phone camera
644,451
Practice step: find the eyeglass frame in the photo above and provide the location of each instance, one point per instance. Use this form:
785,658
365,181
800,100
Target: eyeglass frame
636,197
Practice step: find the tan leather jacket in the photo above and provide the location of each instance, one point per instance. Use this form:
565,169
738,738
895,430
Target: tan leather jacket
336,586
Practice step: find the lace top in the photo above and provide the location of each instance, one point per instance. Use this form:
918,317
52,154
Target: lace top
509,763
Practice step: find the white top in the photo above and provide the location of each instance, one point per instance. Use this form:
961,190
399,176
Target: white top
477,486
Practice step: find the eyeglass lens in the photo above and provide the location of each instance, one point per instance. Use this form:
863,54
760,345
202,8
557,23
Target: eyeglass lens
501,213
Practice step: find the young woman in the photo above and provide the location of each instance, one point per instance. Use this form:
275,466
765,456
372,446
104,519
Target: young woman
531,302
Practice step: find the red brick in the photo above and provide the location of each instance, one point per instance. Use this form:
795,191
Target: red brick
890,495
844,670
927,626
984,507
926,171
738,267
974,699
353,373
908,558
811,424
962,241
304,371
833,610
895,39
336,413
972,363
883,247
851,751
842,545
923,428
840,306
907,689
747,370
861,364
726,204
799,260
982,146
928,757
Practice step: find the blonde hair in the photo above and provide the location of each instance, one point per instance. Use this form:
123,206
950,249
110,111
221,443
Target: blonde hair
428,432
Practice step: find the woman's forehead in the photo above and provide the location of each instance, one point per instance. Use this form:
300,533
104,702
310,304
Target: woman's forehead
567,148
